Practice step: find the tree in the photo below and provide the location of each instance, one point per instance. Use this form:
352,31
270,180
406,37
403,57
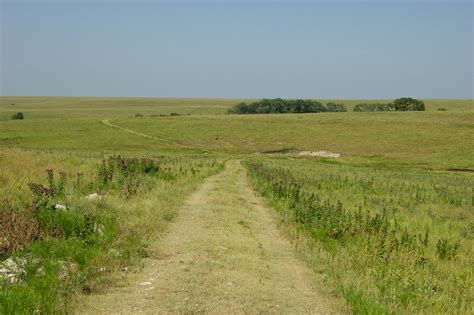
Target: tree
335,107
408,103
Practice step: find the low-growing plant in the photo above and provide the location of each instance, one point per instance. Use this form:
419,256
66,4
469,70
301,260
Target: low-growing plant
123,173
446,249
19,227
17,116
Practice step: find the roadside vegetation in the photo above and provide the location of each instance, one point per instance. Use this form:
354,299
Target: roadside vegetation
393,241
63,234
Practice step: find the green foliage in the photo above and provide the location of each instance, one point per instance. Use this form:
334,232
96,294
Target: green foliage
336,107
400,104
123,173
281,106
17,116
373,107
446,249
408,104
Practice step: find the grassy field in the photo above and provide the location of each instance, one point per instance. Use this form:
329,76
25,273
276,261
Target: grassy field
395,241
100,107
392,164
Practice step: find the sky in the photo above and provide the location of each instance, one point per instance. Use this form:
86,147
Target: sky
237,49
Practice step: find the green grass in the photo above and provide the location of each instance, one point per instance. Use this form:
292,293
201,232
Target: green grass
369,268
37,107
430,139
72,255
389,160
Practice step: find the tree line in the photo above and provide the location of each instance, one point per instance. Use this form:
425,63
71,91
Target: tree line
282,106
400,104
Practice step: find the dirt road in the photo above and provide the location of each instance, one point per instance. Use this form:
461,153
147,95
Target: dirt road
223,254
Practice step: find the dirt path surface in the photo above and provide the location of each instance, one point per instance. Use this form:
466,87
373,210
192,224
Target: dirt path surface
108,123
223,255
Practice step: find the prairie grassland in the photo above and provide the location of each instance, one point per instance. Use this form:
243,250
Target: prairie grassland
392,161
429,139
393,241
37,107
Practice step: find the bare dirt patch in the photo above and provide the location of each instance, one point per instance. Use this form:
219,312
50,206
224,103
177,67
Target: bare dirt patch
294,151
461,170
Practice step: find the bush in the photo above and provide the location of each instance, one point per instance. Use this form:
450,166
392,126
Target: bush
138,115
19,228
408,104
17,116
336,107
373,107
400,104
441,109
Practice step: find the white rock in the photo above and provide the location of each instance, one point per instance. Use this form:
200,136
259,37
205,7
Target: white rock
321,153
99,229
60,207
146,283
93,196
114,253
11,268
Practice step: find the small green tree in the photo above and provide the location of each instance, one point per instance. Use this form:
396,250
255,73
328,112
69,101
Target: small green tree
408,103
335,107
17,116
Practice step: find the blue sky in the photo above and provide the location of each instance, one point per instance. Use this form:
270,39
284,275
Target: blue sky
289,49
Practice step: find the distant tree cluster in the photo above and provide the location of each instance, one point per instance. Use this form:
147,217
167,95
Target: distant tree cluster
373,107
17,116
281,106
400,104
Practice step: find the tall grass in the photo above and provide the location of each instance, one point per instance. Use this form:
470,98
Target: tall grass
73,249
386,238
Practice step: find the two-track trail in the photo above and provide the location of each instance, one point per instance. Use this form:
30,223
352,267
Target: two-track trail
224,254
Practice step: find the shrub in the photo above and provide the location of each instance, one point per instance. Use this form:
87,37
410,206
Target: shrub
441,109
336,107
373,107
175,114
19,228
17,116
408,104
138,115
